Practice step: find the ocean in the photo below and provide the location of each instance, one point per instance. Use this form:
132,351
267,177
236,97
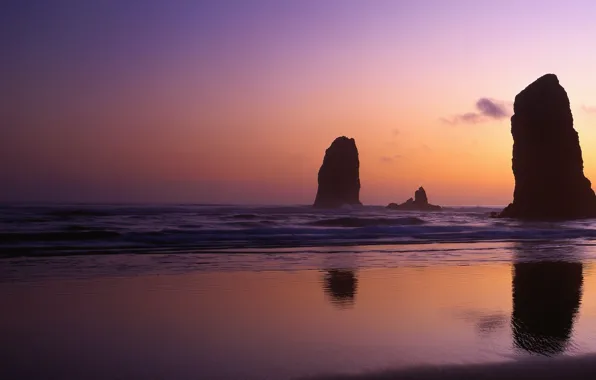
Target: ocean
117,229
292,292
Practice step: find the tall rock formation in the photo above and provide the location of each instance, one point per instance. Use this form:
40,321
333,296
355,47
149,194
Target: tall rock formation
419,203
339,176
547,159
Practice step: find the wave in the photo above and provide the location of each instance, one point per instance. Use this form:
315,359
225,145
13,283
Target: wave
18,237
280,237
366,222
245,216
261,223
84,229
74,213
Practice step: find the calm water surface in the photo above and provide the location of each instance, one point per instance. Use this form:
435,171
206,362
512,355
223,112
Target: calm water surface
346,316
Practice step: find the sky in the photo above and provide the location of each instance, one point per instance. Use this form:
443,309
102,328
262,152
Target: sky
235,101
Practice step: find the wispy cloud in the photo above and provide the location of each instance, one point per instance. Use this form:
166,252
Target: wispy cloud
486,109
395,132
389,159
589,109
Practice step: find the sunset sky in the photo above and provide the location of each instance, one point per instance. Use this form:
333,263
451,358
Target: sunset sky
236,101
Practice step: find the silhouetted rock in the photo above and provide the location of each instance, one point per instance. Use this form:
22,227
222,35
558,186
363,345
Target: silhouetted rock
547,159
420,196
339,178
419,203
341,286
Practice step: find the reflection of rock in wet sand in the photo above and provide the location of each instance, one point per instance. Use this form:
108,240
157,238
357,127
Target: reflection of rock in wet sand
341,285
487,324
546,299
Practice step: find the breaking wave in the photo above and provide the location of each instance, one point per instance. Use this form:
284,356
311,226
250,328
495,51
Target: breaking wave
69,230
366,222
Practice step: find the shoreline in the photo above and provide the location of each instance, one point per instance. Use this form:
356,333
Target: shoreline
544,368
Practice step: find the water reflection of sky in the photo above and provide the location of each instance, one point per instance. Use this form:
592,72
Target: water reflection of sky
342,317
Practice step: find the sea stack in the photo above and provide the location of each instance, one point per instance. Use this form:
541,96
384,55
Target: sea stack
547,159
339,176
419,203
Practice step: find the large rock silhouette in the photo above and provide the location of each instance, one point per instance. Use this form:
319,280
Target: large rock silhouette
419,203
547,159
339,175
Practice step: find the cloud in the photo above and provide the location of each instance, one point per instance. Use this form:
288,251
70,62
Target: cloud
395,132
491,108
389,159
589,109
486,109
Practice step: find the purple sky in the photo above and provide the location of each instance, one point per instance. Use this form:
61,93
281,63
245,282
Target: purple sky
236,101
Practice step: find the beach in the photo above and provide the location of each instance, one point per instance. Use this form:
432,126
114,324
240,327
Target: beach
297,190
353,312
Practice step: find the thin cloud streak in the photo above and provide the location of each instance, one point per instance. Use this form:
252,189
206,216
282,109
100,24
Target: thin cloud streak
389,159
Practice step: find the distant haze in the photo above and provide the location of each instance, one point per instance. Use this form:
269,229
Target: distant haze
236,101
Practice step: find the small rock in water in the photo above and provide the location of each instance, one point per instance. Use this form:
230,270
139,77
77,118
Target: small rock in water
419,203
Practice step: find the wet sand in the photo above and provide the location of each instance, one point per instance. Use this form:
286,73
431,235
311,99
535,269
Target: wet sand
571,368
446,321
